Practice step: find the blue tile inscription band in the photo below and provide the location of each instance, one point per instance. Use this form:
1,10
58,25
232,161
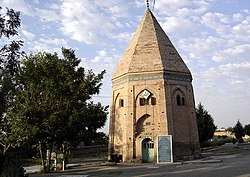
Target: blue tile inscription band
166,76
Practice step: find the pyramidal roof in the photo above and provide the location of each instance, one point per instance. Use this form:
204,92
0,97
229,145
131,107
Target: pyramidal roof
150,51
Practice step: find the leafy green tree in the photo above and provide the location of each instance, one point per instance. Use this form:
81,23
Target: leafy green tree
239,131
12,167
247,129
9,65
100,139
9,53
230,129
84,130
205,122
51,106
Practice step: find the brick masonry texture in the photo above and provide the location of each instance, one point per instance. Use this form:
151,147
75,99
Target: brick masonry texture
152,63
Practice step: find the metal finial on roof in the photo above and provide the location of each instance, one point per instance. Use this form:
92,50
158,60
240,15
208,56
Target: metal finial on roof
147,4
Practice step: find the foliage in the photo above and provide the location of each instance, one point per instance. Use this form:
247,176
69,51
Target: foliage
51,106
12,167
99,138
247,129
239,131
230,129
218,141
9,53
93,111
206,127
9,65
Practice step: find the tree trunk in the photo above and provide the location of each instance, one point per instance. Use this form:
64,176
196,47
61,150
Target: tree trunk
5,147
49,157
42,156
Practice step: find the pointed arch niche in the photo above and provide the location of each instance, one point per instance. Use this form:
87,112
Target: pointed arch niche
117,123
146,97
180,116
143,124
178,97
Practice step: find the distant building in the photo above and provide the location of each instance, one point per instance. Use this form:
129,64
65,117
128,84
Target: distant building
224,132
246,137
152,116
229,134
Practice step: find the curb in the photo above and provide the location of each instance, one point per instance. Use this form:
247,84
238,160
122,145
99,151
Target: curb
202,161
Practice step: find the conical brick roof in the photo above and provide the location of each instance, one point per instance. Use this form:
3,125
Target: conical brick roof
150,51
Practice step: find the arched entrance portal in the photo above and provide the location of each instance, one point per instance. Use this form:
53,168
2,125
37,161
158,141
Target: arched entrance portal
147,150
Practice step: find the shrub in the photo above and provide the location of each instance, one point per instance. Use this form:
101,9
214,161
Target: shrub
12,167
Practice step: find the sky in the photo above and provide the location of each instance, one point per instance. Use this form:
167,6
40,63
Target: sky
212,36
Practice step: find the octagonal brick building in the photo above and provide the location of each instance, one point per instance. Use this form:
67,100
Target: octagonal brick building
152,117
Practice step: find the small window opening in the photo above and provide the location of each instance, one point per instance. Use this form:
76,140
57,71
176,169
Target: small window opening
183,101
153,101
143,101
178,99
150,145
121,103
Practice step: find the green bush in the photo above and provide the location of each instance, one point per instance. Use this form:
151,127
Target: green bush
11,166
218,141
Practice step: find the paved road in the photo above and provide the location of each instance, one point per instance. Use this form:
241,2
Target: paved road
228,161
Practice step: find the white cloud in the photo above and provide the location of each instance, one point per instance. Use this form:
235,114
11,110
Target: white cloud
118,11
181,8
242,31
246,11
27,9
104,59
121,37
226,74
46,44
238,17
172,3
28,35
140,3
236,53
54,6
224,89
216,21
179,26
202,6
54,41
47,15
102,53
236,67
18,5
201,48
184,12
182,18
89,22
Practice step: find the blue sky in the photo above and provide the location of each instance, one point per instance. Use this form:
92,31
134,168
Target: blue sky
211,36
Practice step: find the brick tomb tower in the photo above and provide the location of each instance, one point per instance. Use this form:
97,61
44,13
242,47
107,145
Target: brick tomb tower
152,116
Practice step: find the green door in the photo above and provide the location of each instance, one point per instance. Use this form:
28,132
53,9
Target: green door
147,150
